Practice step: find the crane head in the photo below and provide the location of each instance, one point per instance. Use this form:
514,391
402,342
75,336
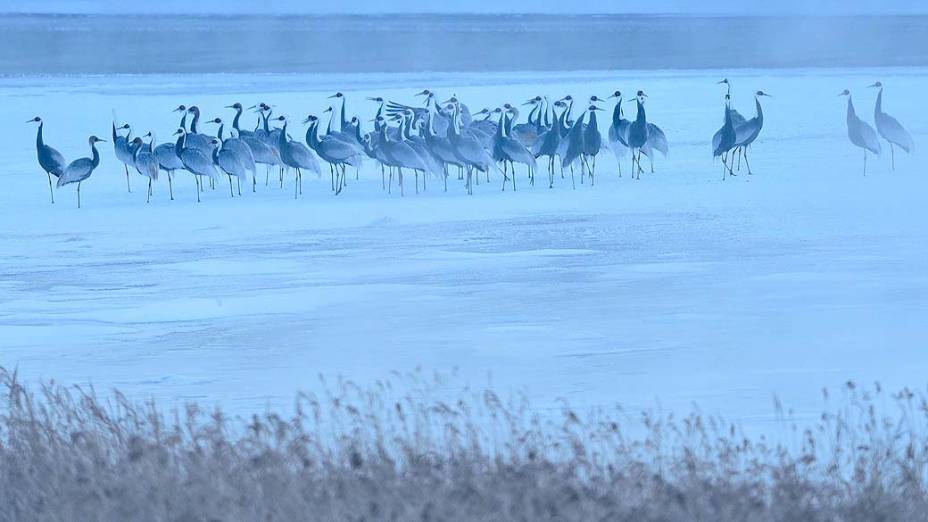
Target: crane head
214,141
378,99
594,108
215,120
136,141
181,108
616,94
35,120
725,81
336,95
236,106
762,93
328,109
424,92
876,85
641,96
94,139
845,92
595,98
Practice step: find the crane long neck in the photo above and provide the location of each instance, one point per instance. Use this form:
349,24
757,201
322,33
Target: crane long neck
311,138
509,120
331,117
851,113
641,117
379,112
547,117
196,119
114,133
344,121
592,124
879,102
216,155
183,121
267,116
95,159
282,139
562,122
238,114
501,126
179,145
430,128
760,111
453,128
617,112
39,140
219,133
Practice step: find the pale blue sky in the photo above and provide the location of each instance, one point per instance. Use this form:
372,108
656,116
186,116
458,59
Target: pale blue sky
475,6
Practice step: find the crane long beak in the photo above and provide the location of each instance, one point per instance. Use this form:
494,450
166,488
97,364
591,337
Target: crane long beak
306,120
872,85
333,96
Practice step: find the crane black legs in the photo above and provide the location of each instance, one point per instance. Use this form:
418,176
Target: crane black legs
50,189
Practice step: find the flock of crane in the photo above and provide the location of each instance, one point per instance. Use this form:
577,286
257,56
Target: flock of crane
430,139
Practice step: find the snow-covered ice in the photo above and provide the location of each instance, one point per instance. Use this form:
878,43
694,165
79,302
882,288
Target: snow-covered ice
677,288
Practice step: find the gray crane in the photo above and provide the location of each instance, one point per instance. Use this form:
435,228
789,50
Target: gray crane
747,132
240,149
507,148
638,134
121,147
80,169
295,155
860,132
145,162
889,128
726,140
549,141
618,131
335,152
229,162
51,161
195,160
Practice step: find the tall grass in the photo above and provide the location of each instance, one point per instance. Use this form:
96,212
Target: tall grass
397,452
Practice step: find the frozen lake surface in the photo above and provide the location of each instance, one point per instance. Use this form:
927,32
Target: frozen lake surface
675,289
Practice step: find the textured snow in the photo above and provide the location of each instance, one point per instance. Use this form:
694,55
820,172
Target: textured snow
674,289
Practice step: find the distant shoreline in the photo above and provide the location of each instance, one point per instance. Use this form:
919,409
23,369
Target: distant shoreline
351,43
